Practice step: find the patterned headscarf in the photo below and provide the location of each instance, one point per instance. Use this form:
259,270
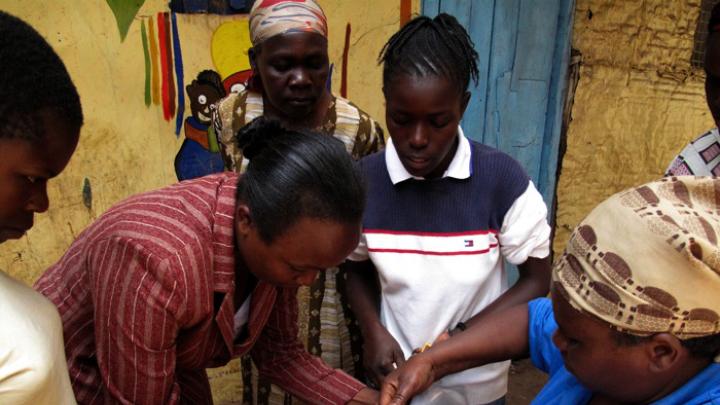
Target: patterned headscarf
647,260
274,17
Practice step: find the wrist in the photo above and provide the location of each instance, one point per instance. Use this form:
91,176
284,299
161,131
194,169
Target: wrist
371,327
365,396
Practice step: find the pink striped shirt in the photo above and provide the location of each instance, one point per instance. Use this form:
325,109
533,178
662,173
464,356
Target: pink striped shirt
146,299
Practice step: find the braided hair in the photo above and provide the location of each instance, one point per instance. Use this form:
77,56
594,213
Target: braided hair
437,46
32,78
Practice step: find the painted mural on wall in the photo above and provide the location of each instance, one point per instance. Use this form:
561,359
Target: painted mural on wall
199,154
164,85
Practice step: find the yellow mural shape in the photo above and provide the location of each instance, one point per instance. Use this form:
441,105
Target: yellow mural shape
229,47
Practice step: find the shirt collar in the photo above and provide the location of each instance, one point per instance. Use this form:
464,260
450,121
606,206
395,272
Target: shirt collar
459,167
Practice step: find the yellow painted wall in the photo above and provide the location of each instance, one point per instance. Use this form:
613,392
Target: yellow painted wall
638,101
126,147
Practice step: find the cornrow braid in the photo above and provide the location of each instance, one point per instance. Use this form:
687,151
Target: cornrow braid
437,46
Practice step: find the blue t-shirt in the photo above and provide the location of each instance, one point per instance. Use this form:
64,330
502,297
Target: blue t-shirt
564,389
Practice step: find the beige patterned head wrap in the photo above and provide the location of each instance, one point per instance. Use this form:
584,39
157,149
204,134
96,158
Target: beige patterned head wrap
647,260
274,17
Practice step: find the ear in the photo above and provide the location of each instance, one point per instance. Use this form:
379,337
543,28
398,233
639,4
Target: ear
665,353
243,220
465,101
252,55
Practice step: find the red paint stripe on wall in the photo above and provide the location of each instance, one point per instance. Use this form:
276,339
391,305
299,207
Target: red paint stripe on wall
405,11
346,52
164,71
169,57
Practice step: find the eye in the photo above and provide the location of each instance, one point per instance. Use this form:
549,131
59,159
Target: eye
315,63
440,122
400,119
202,99
33,179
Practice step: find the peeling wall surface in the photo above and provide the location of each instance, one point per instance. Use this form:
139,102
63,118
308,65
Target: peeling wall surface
637,104
128,147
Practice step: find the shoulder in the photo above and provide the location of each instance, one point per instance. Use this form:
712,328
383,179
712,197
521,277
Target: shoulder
230,113
344,104
26,307
165,221
499,173
496,161
373,163
541,327
351,120
31,334
227,105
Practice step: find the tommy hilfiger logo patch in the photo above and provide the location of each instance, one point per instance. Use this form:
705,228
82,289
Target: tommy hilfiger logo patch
469,243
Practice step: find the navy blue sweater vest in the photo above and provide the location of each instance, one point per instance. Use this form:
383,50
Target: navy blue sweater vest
479,202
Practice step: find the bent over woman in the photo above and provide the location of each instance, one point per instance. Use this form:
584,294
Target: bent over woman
170,282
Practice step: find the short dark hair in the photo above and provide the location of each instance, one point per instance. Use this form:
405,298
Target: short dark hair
295,174
706,347
32,78
439,46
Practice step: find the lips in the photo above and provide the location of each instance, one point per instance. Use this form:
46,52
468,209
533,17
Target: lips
301,101
416,162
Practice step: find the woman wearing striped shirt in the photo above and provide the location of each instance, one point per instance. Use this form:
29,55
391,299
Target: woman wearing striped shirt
170,282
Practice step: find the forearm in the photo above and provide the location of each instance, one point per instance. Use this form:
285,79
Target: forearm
309,378
534,282
498,336
362,280
280,356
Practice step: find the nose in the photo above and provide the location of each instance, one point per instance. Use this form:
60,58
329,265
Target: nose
299,78
39,201
419,137
307,278
560,341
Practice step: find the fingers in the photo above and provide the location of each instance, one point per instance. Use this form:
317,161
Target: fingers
398,357
379,367
375,377
377,374
389,394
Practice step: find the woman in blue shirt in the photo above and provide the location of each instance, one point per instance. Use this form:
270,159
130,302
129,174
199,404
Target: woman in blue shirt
634,316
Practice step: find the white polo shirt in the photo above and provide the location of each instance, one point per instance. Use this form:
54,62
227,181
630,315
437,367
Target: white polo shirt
432,279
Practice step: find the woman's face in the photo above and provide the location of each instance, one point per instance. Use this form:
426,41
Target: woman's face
423,114
594,357
25,168
296,256
293,69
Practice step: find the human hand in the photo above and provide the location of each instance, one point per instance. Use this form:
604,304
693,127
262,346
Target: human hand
381,354
366,396
412,378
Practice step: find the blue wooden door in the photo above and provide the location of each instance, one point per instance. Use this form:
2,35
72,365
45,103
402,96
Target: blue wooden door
524,49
